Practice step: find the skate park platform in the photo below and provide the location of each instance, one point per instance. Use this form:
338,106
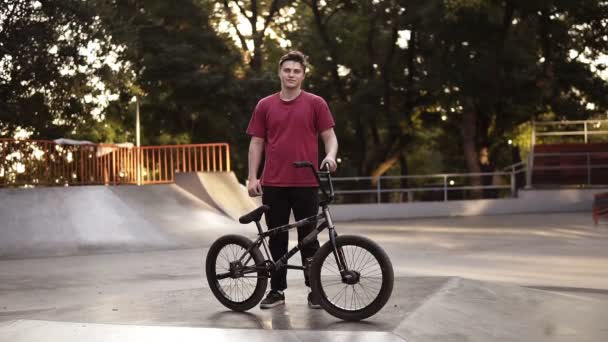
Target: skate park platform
126,263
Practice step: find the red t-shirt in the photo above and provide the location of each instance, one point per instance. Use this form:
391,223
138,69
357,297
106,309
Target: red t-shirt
290,130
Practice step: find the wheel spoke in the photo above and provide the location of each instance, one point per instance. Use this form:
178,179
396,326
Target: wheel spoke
358,302
333,270
357,296
367,264
365,293
236,290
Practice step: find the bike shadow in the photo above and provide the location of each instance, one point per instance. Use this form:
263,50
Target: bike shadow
289,319
236,319
272,319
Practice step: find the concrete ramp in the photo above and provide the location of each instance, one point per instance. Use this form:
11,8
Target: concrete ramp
178,213
470,310
64,221
61,221
32,330
421,309
220,190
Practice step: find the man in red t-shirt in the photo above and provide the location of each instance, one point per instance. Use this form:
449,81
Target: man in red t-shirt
286,126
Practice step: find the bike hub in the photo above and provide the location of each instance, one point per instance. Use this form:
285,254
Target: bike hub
236,269
350,277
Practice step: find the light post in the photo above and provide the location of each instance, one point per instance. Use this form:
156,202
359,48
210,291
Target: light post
138,140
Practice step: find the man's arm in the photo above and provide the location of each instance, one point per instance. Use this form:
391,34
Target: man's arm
330,141
256,148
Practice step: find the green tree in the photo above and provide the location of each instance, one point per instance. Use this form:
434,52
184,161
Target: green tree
251,21
183,71
50,55
367,59
511,62
190,78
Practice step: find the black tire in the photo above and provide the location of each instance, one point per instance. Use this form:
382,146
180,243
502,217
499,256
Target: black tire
238,294
368,295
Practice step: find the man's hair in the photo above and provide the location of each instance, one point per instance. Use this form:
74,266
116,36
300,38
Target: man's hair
295,56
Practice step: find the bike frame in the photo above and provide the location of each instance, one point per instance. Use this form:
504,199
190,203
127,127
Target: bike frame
322,220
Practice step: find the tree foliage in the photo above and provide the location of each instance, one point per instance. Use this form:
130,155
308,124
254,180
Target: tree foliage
408,81
183,70
48,63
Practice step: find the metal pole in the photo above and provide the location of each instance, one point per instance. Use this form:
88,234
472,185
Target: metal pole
445,188
379,195
137,140
588,168
533,133
530,165
227,158
585,123
513,187
529,172
114,166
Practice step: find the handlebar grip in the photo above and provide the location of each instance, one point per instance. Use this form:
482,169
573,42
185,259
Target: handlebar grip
300,164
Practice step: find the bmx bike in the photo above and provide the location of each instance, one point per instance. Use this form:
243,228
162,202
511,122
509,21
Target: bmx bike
351,275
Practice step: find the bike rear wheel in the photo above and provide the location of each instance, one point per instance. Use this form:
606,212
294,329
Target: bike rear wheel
370,282
239,292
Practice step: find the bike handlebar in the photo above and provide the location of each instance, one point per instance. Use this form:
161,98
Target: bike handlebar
327,173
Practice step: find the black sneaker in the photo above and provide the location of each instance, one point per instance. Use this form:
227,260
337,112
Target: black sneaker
273,298
313,301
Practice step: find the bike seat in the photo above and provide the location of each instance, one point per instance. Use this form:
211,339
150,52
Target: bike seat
255,215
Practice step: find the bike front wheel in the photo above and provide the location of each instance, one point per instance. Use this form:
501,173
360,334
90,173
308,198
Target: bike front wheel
239,291
361,291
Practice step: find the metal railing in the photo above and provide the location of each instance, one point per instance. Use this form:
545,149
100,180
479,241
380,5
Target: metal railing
445,183
43,162
160,163
584,128
592,164
562,130
565,161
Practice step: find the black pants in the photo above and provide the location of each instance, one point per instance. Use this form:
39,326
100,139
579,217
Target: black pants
304,202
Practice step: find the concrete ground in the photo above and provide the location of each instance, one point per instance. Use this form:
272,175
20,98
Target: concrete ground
493,278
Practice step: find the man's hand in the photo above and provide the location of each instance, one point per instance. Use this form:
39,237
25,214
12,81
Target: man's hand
254,188
331,162
331,149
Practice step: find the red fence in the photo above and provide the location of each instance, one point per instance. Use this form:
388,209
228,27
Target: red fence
600,206
43,162
570,164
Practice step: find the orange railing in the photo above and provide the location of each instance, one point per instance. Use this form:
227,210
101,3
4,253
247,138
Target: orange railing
159,163
43,162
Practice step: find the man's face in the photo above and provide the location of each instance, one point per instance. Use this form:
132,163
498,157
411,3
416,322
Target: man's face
484,155
291,74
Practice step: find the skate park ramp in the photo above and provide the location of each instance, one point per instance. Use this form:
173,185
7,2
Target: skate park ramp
471,310
549,284
421,309
220,190
59,221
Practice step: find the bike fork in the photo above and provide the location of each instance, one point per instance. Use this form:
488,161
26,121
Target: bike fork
338,253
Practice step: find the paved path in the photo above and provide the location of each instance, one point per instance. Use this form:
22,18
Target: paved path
503,278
